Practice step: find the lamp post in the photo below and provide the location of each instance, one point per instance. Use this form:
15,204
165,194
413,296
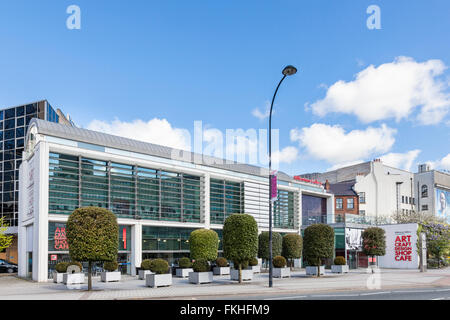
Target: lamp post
288,71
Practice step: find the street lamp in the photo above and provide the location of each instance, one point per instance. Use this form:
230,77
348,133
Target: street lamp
288,71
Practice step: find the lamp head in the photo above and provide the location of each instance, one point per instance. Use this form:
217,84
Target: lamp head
289,70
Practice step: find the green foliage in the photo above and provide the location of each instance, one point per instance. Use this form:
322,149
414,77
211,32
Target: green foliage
61,267
204,244
185,263
292,246
110,266
244,265
201,265
339,261
318,243
222,262
279,262
374,241
240,238
438,242
5,241
159,266
92,235
253,262
146,264
75,263
263,245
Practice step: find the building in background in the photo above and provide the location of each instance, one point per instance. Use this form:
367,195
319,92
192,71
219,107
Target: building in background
346,199
158,198
14,123
383,190
432,190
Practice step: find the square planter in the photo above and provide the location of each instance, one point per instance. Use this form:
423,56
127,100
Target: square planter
200,277
110,276
58,277
255,269
339,269
312,271
183,273
281,272
73,278
158,280
143,274
247,275
221,271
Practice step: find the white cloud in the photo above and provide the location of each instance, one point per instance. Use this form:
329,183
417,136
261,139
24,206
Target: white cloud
391,90
443,163
261,115
344,164
401,160
334,145
286,155
157,131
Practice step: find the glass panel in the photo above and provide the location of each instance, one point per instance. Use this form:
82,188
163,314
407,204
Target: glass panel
10,113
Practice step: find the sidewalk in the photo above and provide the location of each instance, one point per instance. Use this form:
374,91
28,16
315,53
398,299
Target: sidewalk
131,288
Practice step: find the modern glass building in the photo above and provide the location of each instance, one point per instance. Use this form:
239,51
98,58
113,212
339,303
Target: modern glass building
14,123
158,197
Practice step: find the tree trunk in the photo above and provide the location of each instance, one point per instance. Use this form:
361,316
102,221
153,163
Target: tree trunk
318,269
90,276
240,272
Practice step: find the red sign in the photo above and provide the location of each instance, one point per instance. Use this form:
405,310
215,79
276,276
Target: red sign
61,239
307,180
403,248
124,235
53,257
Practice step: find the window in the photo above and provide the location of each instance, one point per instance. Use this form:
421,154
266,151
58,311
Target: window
339,203
362,197
403,199
226,198
425,207
424,191
350,203
362,212
283,210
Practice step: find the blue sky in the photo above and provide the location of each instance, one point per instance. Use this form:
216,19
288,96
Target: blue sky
217,61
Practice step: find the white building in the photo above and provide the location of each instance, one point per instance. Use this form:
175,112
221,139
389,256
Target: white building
158,200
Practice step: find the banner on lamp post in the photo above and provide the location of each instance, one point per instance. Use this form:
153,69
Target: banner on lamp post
273,189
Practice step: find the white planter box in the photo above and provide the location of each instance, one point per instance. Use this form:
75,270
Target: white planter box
110,276
339,269
158,280
58,277
184,273
221,271
247,275
281,272
200,277
143,274
73,278
255,269
312,271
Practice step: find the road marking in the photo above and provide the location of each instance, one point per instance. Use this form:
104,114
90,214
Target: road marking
438,299
373,293
286,298
334,295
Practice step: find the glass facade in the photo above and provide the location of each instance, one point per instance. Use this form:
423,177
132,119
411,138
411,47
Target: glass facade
13,127
314,210
283,210
226,198
128,191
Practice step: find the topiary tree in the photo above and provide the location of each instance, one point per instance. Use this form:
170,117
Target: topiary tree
204,244
240,240
374,241
61,267
159,266
222,262
92,235
253,262
339,261
185,263
110,266
146,264
201,265
263,245
279,262
318,244
292,247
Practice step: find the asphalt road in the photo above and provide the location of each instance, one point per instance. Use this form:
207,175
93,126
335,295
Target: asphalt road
432,293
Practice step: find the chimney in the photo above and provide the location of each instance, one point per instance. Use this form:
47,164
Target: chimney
327,186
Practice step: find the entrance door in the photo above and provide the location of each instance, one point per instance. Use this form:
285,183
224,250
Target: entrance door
351,259
124,263
30,265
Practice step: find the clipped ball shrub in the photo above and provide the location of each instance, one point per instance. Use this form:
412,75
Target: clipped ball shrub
61,267
146,264
263,245
253,262
240,238
279,262
339,261
204,244
318,243
222,262
185,263
75,263
110,266
201,265
159,266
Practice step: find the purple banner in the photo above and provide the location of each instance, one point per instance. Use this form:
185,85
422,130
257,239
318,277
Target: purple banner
273,190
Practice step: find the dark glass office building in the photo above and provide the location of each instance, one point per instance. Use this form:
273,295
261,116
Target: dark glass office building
13,127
